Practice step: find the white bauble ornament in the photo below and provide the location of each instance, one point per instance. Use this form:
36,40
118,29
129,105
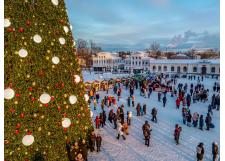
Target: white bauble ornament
66,29
23,53
66,122
72,99
62,41
55,2
55,60
9,93
71,27
45,98
77,78
28,140
91,113
37,38
86,97
74,43
7,22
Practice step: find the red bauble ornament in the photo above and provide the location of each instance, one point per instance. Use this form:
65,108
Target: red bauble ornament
30,89
59,108
78,115
12,110
28,23
29,132
33,99
62,22
21,30
17,132
18,126
65,129
52,98
62,85
10,29
17,95
46,105
22,115
64,115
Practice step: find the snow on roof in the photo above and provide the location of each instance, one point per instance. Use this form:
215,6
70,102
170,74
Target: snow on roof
185,61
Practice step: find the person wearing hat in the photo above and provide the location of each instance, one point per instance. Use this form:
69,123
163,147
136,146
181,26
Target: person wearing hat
200,152
98,142
215,151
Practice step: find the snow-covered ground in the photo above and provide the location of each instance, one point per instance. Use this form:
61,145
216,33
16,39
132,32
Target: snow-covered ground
162,145
100,76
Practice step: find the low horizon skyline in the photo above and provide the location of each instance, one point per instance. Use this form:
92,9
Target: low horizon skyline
132,24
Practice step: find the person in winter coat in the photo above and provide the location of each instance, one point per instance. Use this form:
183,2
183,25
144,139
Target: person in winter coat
129,115
164,101
95,104
147,133
178,103
195,119
101,119
184,113
200,152
145,126
133,98
118,94
144,109
125,128
201,122
92,141
115,118
141,111
215,151
110,117
97,122
138,109
104,117
98,142
120,132
128,101
97,97
159,96
83,149
189,117
208,121
154,115
177,133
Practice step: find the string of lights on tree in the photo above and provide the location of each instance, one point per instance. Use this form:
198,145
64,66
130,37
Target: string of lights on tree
45,100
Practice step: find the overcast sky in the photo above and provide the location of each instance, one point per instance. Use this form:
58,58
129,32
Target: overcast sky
135,24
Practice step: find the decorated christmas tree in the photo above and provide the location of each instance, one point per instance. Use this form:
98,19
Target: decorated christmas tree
45,100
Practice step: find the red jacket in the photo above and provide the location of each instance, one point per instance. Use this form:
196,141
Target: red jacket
178,102
97,121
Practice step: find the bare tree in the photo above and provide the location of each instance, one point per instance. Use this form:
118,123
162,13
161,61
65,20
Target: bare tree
155,49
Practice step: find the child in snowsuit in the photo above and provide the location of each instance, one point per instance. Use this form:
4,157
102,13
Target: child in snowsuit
164,101
129,115
138,108
154,114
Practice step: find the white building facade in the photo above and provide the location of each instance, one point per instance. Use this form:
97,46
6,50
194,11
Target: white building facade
140,62
105,61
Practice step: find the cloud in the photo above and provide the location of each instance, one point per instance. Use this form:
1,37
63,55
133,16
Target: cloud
192,39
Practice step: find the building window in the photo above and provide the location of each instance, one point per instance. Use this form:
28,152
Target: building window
213,70
185,69
172,69
154,68
165,68
159,68
195,69
139,63
139,57
178,69
136,63
136,57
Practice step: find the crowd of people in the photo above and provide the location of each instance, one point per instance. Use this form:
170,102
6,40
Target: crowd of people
185,95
